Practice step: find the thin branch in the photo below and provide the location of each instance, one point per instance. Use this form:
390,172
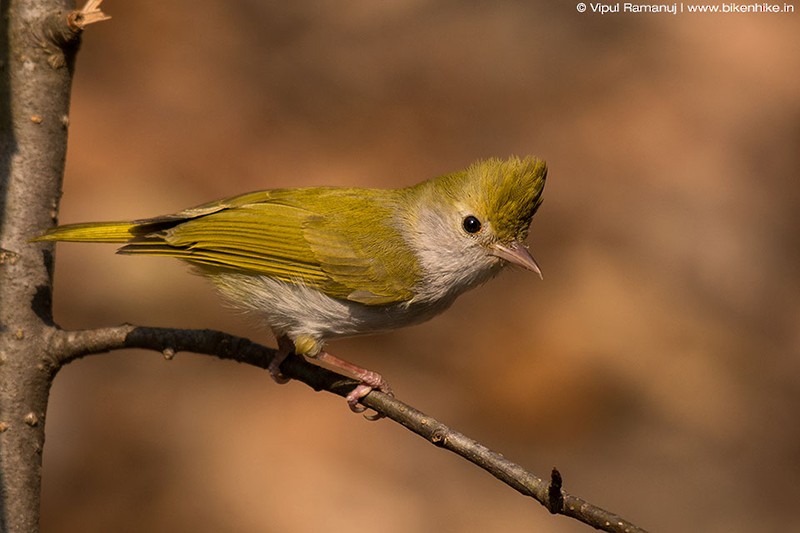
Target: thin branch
71,345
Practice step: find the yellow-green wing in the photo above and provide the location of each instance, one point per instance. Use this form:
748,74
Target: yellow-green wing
324,238
356,238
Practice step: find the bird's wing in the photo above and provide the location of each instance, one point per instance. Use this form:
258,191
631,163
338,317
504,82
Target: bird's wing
303,236
359,245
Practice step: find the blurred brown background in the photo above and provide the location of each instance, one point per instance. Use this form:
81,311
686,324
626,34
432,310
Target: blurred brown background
657,365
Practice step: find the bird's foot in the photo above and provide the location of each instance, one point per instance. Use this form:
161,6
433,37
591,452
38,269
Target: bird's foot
368,379
285,348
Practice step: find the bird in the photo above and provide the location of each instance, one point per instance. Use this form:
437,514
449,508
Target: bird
320,263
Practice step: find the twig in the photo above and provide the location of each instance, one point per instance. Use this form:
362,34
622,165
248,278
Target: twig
60,31
70,345
88,14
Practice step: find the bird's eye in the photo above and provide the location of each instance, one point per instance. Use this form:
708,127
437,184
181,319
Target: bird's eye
471,224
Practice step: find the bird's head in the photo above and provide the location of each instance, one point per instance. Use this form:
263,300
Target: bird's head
469,224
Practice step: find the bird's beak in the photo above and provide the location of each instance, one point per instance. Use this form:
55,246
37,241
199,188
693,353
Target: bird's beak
516,253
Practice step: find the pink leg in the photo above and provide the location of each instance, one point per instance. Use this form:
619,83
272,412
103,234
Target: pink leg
369,380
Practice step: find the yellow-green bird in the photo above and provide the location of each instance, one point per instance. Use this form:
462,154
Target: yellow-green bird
326,262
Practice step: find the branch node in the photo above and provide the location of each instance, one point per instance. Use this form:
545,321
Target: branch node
8,257
31,419
63,30
555,498
439,435
88,14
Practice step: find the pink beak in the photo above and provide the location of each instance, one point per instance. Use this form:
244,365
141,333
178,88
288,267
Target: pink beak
516,253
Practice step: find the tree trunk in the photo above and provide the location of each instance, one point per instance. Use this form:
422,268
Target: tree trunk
35,81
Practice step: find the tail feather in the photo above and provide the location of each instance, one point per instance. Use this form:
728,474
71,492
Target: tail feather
115,232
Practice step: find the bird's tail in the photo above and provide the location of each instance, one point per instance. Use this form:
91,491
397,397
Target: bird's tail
118,232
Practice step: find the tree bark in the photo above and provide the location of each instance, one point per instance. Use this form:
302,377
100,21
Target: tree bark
35,81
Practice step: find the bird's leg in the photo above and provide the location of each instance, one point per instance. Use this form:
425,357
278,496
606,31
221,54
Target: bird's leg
369,380
285,348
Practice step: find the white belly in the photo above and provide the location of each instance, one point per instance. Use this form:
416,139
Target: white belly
301,311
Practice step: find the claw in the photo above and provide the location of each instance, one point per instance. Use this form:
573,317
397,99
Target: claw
275,374
355,395
361,390
285,347
369,381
